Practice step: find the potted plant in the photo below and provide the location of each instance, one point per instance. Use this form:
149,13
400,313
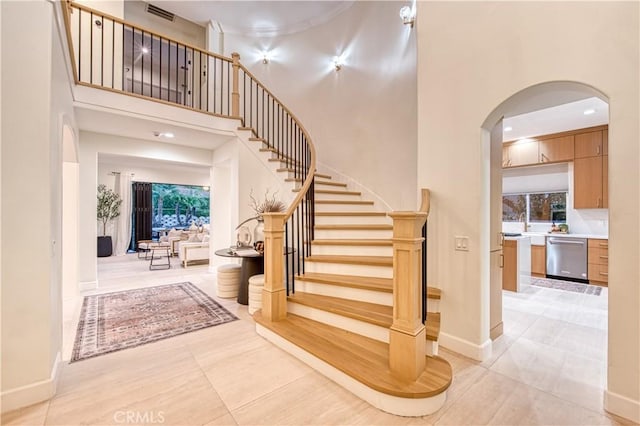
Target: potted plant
108,209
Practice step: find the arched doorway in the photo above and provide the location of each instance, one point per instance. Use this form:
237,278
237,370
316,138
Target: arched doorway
543,328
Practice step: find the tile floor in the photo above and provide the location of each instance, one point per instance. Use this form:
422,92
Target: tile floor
549,367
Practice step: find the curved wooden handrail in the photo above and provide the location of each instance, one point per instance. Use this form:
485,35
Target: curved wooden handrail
312,149
146,30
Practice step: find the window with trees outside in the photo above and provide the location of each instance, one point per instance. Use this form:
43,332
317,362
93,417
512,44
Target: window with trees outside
177,206
535,207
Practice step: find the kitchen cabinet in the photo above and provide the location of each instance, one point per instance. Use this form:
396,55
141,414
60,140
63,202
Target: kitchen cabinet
605,181
538,260
598,264
587,183
510,265
589,144
522,153
556,150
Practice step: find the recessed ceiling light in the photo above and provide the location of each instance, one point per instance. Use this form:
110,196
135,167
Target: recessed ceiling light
589,111
508,129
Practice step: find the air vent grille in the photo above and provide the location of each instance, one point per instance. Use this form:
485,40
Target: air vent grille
155,10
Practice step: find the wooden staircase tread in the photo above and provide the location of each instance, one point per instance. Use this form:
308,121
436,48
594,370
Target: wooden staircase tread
323,176
380,315
257,140
335,192
350,213
371,313
354,260
364,359
384,285
360,227
321,182
365,283
351,242
356,202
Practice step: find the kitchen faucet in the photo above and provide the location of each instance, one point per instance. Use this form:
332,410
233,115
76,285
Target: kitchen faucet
523,218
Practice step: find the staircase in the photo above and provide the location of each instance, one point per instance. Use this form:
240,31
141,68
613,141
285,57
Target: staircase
351,302
339,317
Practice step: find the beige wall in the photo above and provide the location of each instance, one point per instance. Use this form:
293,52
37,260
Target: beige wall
363,118
473,56
33,116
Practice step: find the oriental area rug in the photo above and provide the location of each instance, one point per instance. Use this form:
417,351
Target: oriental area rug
114,321
567,286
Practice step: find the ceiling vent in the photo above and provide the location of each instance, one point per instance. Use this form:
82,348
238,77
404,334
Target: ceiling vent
155,10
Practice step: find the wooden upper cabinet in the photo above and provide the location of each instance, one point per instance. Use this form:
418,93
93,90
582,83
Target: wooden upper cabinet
588,144
605,142
523,153
587,183
556,149
605,181
505,156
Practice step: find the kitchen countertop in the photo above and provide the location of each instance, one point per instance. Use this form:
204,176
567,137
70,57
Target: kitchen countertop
569,235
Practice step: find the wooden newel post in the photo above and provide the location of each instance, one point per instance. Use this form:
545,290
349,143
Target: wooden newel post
274,297
235,93
407,344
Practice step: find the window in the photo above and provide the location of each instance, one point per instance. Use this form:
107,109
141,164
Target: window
535,207
177,206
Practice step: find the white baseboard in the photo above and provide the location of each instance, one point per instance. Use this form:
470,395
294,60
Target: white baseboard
622,406
471,350
408,407
87,285
33,393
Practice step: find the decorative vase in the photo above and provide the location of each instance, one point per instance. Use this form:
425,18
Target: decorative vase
105,246
258,231
243,237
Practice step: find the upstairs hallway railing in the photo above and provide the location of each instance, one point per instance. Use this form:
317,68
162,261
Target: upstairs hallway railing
111,54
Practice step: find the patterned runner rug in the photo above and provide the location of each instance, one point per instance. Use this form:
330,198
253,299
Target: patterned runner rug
567,286
114,321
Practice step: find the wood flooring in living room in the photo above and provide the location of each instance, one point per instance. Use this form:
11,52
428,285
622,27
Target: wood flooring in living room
549,367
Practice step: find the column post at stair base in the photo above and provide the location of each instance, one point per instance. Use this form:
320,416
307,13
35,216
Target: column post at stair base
407,340
274,297
235,84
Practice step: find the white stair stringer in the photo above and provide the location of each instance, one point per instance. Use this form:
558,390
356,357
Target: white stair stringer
362,328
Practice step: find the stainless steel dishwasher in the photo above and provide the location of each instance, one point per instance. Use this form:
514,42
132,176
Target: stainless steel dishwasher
567,258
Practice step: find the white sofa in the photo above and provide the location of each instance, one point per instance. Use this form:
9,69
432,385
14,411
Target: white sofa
191,252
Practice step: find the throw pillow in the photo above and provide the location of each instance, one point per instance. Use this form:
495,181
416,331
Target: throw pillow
205,239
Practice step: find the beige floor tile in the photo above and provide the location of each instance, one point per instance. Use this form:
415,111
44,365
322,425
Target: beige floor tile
226,420
531,363
309,400
33,415
242,378
529,406
178,395
481,402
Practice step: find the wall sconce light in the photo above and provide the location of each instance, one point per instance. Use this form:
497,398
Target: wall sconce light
266,57
407,15
338,62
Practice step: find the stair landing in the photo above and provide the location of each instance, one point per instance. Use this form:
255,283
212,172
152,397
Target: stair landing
359,361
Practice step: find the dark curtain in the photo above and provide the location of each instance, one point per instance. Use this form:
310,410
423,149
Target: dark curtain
142,212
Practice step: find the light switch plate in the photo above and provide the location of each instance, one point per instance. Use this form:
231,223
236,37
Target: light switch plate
462,243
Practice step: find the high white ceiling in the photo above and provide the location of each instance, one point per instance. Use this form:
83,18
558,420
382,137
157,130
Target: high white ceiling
568,116
257,18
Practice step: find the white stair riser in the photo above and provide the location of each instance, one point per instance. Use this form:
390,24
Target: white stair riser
344,207
327,184
352,250
349,269
348,234
355,326
353,220
322,289
362,328
338,196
